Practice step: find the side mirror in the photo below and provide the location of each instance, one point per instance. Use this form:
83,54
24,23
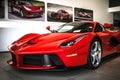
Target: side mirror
52,31
107,25
48,28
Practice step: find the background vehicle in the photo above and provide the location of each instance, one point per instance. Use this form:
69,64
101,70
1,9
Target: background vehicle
83,14
72,44
60,14
26,9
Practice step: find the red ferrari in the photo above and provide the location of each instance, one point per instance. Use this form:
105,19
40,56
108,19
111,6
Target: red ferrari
72,44
60,14
83,14
26,9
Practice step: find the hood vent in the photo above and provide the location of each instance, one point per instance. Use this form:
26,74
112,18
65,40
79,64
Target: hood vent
32,41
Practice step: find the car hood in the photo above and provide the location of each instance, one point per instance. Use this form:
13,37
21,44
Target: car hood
44,42
33,7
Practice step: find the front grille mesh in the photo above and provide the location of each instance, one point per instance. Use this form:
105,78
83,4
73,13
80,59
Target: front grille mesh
35,13
33,59
13,57
39,60
42,59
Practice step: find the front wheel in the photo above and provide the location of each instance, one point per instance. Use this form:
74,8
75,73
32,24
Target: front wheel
21,14
61,17
94,56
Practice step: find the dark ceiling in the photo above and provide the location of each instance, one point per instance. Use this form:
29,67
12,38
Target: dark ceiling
114,3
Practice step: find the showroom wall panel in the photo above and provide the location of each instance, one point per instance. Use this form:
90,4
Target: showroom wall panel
13,29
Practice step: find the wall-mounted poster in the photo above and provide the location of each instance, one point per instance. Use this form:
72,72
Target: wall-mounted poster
59,13
83,14
2,9
26,10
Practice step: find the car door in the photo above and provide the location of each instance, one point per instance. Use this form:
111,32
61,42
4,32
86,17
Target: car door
116,34
105,39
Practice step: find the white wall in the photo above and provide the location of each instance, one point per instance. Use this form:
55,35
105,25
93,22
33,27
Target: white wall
17,28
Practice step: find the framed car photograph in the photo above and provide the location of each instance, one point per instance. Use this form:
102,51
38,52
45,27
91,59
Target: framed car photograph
26,10
2,9
83,14
59,13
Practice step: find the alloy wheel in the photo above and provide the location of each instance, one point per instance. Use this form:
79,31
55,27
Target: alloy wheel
96,53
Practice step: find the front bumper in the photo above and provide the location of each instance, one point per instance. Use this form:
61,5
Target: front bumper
58,59
36,61
33,14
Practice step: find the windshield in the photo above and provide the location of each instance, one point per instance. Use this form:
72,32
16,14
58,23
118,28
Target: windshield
25,3
79,27
62,11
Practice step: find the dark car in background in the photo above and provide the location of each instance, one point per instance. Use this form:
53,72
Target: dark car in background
26,9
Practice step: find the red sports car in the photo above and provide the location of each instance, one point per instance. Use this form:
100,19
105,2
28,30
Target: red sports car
60,14
73,44
26,9
83,14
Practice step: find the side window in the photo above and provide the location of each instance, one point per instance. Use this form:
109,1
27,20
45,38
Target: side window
98,28
87,27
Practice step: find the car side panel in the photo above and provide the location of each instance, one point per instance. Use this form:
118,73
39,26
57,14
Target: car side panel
106,46
106,37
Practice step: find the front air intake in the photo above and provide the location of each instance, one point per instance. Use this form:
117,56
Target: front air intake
42,60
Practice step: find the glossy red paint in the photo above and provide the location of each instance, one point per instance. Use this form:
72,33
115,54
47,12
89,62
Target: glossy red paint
26,9
50,44
60,14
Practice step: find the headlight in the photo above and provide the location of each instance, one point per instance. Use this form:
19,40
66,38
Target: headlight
40,8
27,8
72,42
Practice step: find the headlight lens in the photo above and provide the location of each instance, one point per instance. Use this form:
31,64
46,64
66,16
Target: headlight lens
72,42
40,8
27,8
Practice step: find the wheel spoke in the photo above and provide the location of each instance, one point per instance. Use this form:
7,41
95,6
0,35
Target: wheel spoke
93,59
96,46
97,58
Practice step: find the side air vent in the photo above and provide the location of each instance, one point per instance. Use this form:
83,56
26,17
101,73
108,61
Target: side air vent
114,41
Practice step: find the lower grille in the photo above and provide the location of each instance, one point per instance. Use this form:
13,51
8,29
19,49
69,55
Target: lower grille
34,13
13,57
42,60
33,59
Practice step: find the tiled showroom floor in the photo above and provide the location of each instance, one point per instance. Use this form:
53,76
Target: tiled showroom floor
109,70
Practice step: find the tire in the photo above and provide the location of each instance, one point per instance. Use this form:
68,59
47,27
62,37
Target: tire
61,18
95,54
21,14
